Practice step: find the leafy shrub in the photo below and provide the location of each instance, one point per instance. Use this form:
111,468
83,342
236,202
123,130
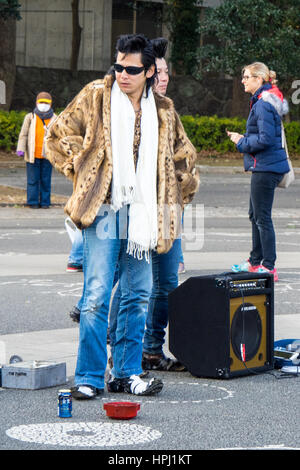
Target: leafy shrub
205,132
10,126
292,132
209,133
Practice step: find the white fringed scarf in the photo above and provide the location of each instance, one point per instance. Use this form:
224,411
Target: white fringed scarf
136,188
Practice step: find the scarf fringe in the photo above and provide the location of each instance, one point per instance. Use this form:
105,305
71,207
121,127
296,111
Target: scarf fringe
122,197
138,251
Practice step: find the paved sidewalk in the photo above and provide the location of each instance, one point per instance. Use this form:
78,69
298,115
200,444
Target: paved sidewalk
60,345
192,413
34,265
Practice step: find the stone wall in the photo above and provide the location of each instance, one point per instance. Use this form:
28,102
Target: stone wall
63,85
207,97
212,96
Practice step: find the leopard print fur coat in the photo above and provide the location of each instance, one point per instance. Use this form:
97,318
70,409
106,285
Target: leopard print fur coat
78,145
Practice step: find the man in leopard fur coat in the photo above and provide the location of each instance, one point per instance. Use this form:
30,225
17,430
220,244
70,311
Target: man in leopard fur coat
133,170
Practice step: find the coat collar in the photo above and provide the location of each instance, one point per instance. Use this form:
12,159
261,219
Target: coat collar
255,97
271,94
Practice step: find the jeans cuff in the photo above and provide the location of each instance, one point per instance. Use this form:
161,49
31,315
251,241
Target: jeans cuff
153,351
126,373
90,382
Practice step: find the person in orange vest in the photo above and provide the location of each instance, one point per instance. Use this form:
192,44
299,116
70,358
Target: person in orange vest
30,146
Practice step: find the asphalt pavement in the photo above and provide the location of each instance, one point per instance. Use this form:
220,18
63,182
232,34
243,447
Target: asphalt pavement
255,411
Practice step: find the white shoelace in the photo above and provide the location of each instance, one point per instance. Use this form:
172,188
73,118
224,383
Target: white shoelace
137,385
86,390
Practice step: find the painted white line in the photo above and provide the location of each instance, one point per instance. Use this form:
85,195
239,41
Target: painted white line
63,289
81,434
266,447
29,232
204,399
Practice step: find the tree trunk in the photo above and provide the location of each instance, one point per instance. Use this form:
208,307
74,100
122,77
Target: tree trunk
240,99
7,61
76,35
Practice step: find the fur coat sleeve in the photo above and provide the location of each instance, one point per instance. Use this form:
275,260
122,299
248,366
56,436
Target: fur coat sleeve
64,141
185,156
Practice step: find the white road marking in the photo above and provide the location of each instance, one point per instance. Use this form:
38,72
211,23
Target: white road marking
81,434
204,399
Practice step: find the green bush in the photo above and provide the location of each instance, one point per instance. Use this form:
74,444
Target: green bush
292,132
205,132
209,132
10,126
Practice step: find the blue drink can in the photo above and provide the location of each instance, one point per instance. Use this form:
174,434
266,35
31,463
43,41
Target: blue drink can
64,404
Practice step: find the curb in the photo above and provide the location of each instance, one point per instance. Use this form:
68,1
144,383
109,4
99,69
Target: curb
24,206
230,169
203,169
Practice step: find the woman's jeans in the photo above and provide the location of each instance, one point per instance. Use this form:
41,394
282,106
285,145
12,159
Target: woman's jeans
101,256
165,279
263,185
39,182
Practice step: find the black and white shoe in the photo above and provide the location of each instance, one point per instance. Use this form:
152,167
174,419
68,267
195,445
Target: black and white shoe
85,392
134,385
115,385
161,362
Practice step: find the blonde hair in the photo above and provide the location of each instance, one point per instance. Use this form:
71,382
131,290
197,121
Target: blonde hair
259,69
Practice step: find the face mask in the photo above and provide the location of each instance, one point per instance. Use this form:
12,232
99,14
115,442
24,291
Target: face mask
43,107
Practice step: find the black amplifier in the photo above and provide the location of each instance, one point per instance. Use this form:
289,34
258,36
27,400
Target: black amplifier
244,284
222,325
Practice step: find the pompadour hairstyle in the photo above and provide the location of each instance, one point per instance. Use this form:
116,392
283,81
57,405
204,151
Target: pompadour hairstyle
138,43
160,47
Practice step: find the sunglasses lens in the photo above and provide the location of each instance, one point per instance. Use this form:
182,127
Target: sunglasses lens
131,70
118,68
134,70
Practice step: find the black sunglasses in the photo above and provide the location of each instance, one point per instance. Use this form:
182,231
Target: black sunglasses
131,70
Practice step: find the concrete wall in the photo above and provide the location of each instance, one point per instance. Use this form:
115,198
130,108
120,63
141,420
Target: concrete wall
44,34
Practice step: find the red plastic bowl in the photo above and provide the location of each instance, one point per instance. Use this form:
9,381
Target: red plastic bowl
121,409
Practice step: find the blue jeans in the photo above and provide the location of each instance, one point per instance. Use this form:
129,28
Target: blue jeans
165,279
39,182
76,253
80,301
101,256
263,185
